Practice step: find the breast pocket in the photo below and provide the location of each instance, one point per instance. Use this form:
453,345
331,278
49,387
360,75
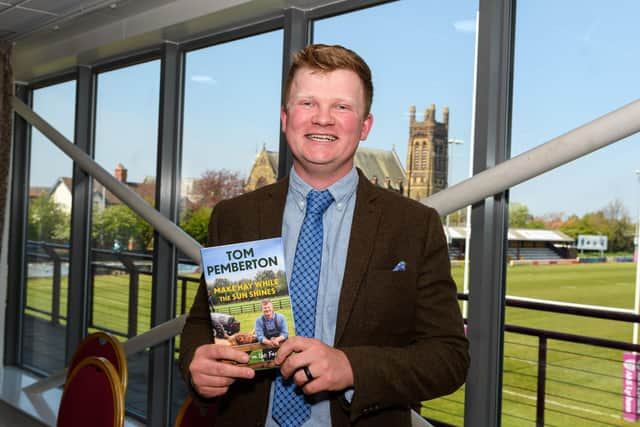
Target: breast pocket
388,297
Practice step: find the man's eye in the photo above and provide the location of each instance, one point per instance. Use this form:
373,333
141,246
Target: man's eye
342,107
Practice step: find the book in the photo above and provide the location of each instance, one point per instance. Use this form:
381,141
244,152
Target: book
249,299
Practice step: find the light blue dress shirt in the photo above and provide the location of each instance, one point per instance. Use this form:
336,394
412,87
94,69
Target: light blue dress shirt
336,232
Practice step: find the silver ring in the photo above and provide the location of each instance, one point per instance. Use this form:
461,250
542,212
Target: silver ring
307,372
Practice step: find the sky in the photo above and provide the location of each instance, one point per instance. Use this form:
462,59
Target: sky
574,61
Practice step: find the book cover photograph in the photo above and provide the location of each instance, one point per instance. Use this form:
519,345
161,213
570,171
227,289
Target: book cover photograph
249,299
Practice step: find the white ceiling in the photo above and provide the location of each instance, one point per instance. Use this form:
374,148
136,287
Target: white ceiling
20,19
54,36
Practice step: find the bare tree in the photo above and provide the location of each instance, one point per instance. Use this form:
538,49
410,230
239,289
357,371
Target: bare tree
214,186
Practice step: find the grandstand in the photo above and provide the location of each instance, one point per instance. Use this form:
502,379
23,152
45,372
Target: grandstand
524,244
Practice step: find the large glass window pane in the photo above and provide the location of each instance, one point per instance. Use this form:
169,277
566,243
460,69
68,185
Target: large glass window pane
574,61
45,312
230,139
421,54
122,242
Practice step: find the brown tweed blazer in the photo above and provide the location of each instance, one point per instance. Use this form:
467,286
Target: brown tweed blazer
402,331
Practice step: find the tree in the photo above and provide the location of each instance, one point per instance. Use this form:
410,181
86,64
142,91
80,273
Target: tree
119,223
519,217
48,221
214,186
620,230
612,221
196,223
575,225
553,220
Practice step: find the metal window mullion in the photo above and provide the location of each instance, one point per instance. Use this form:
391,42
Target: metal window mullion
17,268
165,253
80,244
297,34
489,218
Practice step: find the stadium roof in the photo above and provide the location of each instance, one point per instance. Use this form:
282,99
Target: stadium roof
520,234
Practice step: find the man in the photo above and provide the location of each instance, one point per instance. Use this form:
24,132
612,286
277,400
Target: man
271,327
388,331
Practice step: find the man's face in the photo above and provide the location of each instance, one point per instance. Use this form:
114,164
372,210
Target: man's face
324,122
267,310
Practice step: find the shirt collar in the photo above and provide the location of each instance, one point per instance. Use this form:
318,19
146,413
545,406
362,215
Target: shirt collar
341,190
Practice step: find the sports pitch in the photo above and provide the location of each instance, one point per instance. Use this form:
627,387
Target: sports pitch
583,382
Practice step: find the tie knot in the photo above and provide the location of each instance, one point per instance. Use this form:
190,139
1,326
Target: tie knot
318,201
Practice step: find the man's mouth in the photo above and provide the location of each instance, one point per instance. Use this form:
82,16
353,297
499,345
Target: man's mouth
321,137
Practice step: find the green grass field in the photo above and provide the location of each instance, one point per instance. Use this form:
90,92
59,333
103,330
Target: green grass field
583,382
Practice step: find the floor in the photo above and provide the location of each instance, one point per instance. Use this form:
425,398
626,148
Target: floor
43,347
9,416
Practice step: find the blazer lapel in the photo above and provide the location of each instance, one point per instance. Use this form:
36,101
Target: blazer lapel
363,234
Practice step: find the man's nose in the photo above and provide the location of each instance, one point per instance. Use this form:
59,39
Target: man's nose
323,116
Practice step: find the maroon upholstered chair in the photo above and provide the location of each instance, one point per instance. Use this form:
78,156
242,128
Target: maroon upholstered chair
102,345
190,415
92,396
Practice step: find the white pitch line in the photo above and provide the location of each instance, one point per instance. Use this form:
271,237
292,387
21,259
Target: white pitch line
562,405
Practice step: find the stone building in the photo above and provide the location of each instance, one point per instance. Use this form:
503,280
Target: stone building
427,154
264,170
382,167
427,160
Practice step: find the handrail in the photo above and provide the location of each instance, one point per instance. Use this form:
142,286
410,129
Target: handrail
155,335
583,140
598,312
162,225
574,144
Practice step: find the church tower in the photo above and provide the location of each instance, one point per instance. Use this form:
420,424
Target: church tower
427,153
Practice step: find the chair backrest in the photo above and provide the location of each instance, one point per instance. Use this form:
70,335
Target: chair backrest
189,415
102,345
92,396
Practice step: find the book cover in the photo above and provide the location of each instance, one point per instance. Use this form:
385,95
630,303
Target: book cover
249,298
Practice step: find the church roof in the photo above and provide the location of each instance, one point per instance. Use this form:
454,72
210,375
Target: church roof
373,162
273,160
380,163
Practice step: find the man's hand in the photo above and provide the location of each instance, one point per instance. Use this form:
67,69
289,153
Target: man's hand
211,376
268,343
275,342
330,368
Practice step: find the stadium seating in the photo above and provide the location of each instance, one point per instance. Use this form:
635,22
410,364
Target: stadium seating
533,253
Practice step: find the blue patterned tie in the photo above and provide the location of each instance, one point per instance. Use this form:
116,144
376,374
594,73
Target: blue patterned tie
289,406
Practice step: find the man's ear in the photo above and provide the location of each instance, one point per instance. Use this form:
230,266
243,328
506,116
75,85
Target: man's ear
366,127
283,119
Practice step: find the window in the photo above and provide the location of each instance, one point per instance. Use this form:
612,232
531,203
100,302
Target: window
396,39
581,66
45,312
230,138
122,242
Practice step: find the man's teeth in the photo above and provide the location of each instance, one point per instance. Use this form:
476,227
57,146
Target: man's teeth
323,138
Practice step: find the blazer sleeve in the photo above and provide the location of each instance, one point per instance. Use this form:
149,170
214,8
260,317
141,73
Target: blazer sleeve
198,329
433,359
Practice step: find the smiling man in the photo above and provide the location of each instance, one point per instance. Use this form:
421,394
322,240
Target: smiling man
271,327
378,327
